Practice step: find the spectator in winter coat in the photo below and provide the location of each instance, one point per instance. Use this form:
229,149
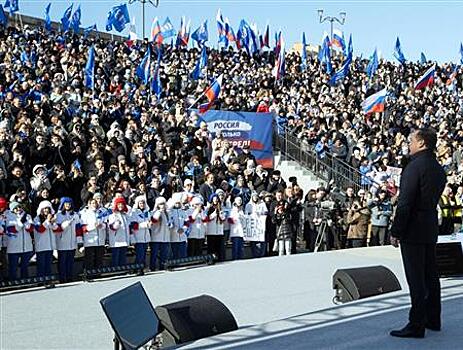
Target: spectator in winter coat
120,229
93,220
19,229
39,179
197,227
68,231
178,216
44,237
141,215
284,228
237,224
215,217
160,234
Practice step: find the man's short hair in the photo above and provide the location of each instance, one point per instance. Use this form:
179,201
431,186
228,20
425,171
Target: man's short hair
428,136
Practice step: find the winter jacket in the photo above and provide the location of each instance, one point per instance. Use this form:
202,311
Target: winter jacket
93,228
68,230
18,232
44,236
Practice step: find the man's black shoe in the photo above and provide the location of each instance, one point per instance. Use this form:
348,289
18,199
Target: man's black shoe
433,326
409,331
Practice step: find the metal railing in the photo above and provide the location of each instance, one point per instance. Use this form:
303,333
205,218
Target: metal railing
326,168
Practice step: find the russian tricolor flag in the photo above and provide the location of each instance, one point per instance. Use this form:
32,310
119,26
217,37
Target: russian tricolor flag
375,102
427,79
212,93
338,39
156,33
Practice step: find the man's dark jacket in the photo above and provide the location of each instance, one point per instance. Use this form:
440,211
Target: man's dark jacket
421,185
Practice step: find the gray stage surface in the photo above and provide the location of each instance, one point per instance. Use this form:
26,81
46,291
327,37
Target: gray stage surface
279,303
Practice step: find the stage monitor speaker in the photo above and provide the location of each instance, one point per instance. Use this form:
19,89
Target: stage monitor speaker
193,319
131,316
449,258
363,282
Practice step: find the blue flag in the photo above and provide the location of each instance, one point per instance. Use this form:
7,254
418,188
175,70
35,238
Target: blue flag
303,53
201,35
167,29
243,36
423,59
66,19
324,56
13,5
89,29
200,65
350,48
47,24
118,17
156,81
75,21
3,17
398,54
461,53
372,65
89,72
143,69
342,72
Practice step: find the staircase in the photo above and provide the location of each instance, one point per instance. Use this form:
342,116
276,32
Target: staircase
306,179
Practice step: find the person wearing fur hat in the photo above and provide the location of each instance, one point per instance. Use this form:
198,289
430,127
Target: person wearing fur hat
39,178
237,222
226,207
44,237
141,215
197,227
257,208
93,234
67,232
178,216
215,218
160,234
19,227
119,223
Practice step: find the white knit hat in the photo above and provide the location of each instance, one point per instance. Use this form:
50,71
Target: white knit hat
196,200
160,200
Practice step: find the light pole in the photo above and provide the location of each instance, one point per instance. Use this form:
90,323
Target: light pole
155,3
341,20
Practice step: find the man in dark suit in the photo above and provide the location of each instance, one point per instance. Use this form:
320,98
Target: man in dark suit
416,228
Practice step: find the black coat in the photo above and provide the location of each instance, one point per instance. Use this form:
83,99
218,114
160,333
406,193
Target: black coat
421,186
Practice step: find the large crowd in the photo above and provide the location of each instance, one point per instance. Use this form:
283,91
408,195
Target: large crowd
116,166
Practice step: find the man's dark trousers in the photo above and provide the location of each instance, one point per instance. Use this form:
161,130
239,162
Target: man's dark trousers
423,280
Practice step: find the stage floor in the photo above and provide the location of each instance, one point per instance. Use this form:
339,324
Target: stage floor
278,303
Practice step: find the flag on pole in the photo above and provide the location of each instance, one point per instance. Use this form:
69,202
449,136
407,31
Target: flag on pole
13,5
143,69
461,53
212,93
350,47
303,53
229,33
221,28
266,38
372,65
66,19
167,29
398,54
338,40
156,85
47,21
427,79
375,103
118,18
324,55
89,29
423,59
200,65
342,72
75,21
156,33
133,37
200,35
89,72
280,65
3,17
